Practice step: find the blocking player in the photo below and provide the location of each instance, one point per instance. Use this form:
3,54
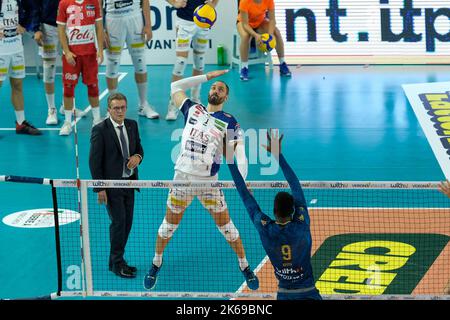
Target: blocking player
12,61
79,23
287,240
186,32
207,132
130,22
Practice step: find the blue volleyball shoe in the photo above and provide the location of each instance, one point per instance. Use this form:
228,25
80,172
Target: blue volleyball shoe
284,70
151,277
250,278
244,74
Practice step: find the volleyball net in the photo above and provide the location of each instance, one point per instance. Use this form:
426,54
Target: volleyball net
371,240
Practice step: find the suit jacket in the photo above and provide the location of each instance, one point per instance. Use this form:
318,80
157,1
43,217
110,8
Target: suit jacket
105,155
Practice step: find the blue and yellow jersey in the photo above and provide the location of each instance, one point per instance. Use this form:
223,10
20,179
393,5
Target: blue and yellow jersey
187,13
288,246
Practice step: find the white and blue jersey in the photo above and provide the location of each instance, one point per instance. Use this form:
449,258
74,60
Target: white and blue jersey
203,139
288,246
123,8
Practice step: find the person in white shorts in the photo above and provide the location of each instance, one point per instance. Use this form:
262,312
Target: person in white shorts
186,32
12,61
46,37
128,21
209,133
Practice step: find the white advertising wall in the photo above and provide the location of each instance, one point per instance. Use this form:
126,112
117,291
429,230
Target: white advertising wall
369,31
325,31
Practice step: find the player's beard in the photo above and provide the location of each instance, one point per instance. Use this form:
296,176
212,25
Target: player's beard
215,100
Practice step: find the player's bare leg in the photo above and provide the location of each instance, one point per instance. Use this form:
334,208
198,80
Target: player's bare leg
165,233
172,111
231,234
222,219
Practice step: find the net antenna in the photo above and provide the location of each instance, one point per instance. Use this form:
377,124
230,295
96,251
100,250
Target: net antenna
77,168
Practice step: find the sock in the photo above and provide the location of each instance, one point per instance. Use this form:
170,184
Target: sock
157,260
20,116
50,100
112,91
142,90
96,113
244,64
243,263
68,114
281,60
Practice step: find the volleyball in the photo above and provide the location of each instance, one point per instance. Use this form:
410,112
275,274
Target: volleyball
205,16
268,42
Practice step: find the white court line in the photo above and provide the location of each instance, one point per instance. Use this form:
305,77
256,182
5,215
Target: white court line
85,111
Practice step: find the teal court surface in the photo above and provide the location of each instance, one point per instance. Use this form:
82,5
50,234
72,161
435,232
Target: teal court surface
341,123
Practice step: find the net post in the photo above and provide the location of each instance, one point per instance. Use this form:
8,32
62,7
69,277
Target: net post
86,248
57,238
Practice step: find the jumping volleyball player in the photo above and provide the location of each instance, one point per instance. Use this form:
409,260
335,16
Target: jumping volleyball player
188,31
287,240
79,22
207,132
130,22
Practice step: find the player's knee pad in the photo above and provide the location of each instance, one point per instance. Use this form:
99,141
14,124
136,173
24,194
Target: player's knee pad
139,63
229,231
49,67
92,90
180,66
199,61
166,230
112,65
69,90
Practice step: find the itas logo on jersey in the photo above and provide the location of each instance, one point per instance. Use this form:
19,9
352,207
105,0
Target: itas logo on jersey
199,136
123,4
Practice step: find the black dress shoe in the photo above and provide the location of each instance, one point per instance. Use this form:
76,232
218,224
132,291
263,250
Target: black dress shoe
123,271
132,269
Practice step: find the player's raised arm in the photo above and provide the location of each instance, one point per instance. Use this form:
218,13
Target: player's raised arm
274,146
249,201
178,88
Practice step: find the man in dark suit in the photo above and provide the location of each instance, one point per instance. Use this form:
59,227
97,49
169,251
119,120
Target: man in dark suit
115,154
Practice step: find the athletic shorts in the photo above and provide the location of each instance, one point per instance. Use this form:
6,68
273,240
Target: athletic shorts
125,30
180,198
188,31
86,65
309,295
50,42
12,65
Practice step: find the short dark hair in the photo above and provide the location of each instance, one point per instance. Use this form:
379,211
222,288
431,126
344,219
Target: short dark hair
226,86
116,96
283,205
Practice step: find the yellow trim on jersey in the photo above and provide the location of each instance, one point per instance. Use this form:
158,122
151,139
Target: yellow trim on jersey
210,202
137,45
202,41
49,47
115,49
15,68
178,202
3,70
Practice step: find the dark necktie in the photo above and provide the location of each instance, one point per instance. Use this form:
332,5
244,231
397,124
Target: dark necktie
125,153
